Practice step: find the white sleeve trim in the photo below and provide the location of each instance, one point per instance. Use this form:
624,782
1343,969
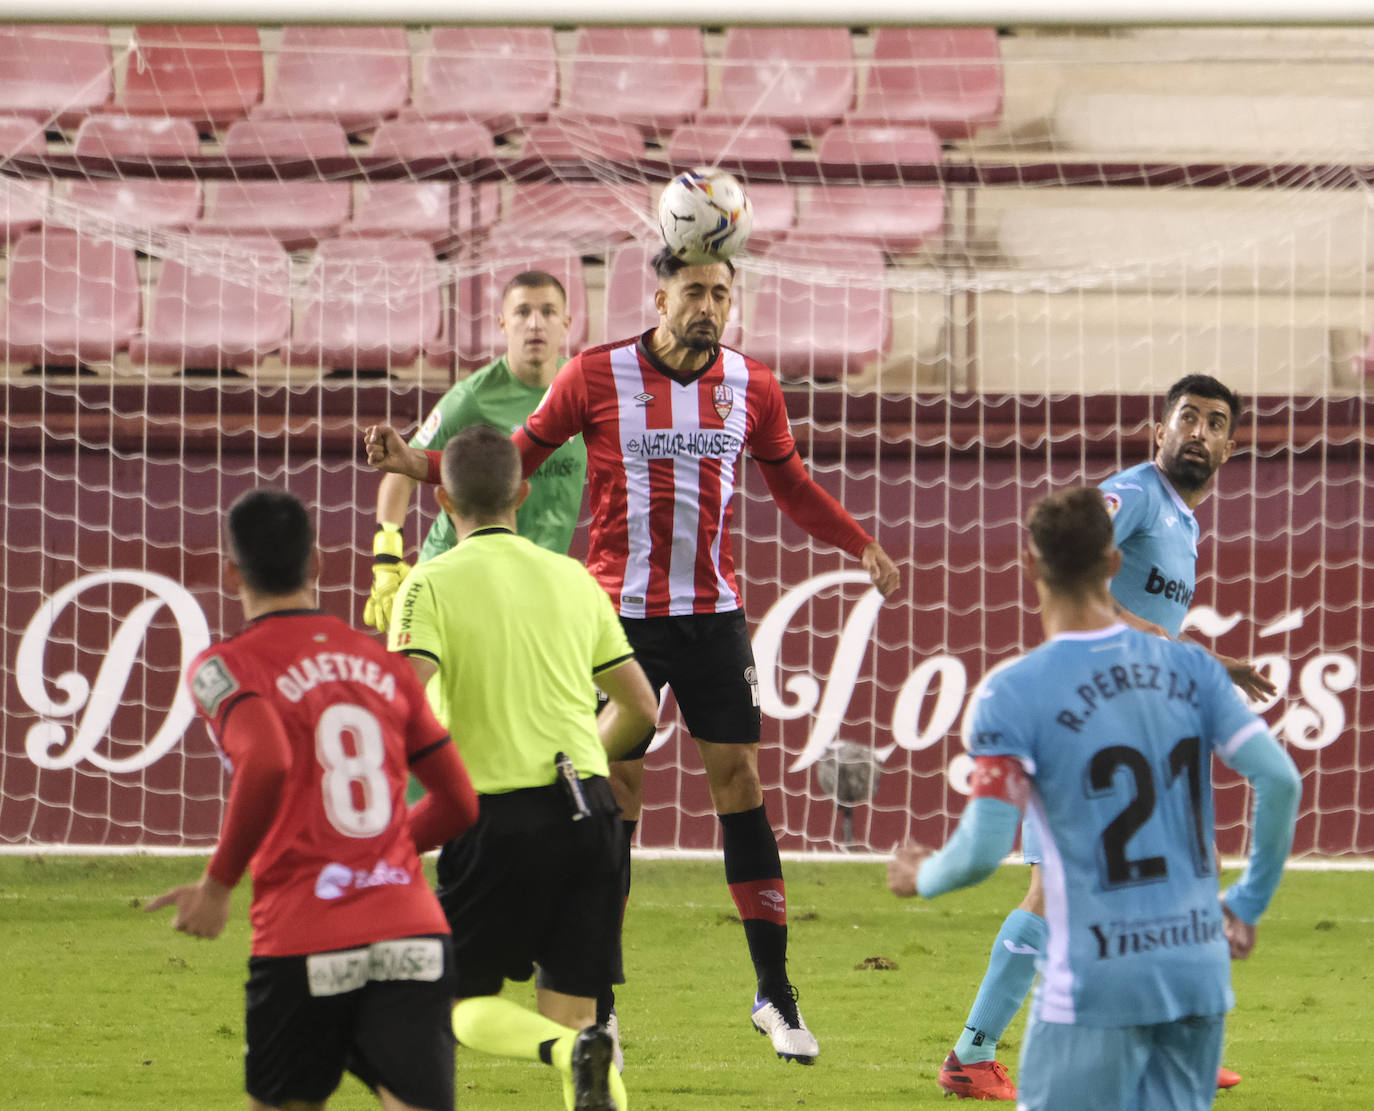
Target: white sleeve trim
1228,748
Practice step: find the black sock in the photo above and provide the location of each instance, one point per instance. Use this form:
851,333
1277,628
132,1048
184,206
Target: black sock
754,872
605,999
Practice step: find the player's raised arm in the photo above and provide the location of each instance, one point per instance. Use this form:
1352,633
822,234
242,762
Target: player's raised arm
387,451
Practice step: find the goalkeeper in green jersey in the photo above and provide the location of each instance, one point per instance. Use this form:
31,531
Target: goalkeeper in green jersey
534,318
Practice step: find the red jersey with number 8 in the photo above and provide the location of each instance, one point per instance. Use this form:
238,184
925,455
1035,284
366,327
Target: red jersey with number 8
338,867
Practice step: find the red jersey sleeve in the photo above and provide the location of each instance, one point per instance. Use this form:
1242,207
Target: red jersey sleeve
560,416
253,738
769,435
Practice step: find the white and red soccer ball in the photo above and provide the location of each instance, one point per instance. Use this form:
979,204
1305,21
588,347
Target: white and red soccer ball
705,216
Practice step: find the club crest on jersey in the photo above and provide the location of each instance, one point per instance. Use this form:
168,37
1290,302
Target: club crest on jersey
1113,503
723,398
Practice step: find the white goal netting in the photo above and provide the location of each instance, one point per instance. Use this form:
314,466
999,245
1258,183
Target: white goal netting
980,257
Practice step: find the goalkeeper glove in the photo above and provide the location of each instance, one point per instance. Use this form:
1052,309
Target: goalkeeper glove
388,572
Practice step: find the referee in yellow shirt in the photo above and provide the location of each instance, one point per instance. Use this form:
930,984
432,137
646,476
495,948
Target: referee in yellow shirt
513,641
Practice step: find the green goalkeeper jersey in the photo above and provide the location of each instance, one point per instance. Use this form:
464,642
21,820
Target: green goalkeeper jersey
495,396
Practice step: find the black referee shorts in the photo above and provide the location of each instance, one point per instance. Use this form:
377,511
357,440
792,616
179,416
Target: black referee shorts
382,1012
529,885
708,661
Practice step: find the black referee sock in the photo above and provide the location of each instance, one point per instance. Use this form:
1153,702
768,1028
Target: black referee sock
605,1000
754,872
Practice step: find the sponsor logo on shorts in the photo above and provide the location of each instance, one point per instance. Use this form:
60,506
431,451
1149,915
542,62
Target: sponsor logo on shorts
415,958
335,880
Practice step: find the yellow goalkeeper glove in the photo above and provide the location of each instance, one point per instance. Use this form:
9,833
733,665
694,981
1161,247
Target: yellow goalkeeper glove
388,572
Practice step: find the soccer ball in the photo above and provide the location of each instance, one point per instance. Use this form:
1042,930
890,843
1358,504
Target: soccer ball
705,216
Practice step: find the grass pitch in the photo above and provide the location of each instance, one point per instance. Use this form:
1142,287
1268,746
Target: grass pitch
103,1007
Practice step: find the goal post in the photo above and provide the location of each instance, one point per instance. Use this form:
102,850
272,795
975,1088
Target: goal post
966,312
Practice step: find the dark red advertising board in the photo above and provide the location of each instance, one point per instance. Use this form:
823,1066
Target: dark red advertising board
111,580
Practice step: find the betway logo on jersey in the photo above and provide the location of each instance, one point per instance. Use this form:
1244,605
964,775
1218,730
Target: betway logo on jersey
1174,589
335,880
697,445
1128,939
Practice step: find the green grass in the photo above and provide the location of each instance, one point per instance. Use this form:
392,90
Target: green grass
103,1007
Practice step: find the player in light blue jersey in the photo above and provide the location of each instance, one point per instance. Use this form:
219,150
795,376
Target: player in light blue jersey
1151,506
1103,737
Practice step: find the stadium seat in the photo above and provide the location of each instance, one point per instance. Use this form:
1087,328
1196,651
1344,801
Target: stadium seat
22,200
299,213
499,76
69,299
630,286
211,75
568,137
897,217
651,77
799,78
425,209
823,327
586,216
700,144
369,305
55,72
230,313
138,202
355,76
479,300
947,78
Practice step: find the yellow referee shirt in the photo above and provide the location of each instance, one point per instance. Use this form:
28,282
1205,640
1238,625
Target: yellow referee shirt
518,634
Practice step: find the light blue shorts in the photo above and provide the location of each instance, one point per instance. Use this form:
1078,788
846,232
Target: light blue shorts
1120,1068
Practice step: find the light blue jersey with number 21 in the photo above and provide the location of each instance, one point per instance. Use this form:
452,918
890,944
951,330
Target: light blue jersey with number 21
1116,730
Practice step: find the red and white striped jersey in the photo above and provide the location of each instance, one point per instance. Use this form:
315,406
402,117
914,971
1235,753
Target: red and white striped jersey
663,454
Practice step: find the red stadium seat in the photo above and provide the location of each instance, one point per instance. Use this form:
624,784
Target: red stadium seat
651,77
139,202
426,209
370,305
22,200
775,206
799,78
948,78
299,213
479,340
898,217
630,286
568,137
211,75
356,76
69,299
579,215
499,76
231,312
823,327
55,72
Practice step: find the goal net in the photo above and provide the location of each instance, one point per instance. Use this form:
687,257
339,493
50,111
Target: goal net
980,257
